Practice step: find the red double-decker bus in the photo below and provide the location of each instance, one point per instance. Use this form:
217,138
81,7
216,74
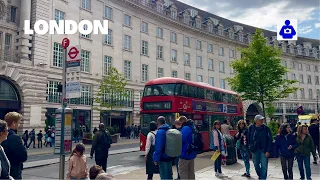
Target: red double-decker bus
200,102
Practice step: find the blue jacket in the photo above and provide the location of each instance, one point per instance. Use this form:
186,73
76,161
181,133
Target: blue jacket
159,153
282,143
186,132
260,137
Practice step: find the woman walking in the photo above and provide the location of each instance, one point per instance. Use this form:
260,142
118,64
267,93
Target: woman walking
242,145
305,147
286,143
150,147
217,144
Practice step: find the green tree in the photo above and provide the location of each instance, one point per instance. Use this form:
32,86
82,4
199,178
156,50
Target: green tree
259,74
270,110
112,91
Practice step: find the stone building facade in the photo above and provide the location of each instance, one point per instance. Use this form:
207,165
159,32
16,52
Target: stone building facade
147,39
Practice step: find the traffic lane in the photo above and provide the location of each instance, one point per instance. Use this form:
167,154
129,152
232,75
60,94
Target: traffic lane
117,164
52,156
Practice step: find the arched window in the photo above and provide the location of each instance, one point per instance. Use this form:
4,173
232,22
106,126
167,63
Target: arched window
7,91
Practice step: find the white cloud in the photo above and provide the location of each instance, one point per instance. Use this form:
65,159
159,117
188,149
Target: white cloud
317,25
305,30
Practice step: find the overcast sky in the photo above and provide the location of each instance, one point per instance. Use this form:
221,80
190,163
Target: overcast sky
265,13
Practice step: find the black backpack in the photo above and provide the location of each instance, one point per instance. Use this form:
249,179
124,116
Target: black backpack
107,140
197,140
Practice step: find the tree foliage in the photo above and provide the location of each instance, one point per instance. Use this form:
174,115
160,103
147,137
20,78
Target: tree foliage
112,91
259,74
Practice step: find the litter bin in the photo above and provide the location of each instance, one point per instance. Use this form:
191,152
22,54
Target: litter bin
231,149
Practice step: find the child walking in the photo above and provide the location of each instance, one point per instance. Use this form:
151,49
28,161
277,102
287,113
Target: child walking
78,164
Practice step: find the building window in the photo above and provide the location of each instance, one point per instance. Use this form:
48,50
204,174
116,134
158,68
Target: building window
316,68
198,23
144,49
199,62
187,59
107,64
86,94
317,80
127,42
187,41
210,64
159,8
300,66
302,93
187,76
59,15
174,55
241,37
57,55
173,37
222,84
210,48
174,74
211,81
308,67
231,53
7,44
144,72
318,93
144,27
295,94
127,20
127,69
221,51
108,38
160,33
309,79
210,28
85,61
108,12
86,4
160,52
301,78
173,14
199,45
292,65
293,76
87,36
310,94
221,66
186,18
13,14
53,95
160,72
200,78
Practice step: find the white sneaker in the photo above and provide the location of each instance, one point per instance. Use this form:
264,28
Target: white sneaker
217,174
222,175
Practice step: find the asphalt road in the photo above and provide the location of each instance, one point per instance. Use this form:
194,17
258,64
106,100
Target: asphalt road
52,156
117,164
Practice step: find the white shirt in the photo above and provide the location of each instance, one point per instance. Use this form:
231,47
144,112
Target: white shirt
151,140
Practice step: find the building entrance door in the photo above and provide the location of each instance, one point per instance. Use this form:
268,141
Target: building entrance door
9,98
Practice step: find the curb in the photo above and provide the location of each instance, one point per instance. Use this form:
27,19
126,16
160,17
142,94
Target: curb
35,164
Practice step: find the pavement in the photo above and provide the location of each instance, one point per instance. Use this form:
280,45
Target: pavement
38,158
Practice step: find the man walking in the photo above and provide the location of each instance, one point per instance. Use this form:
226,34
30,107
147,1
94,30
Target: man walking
260,144
314,132
13,146
186,161
100,146
32,136
159,156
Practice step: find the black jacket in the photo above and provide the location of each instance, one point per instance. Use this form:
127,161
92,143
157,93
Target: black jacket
314,132
260,138
100,145
16,153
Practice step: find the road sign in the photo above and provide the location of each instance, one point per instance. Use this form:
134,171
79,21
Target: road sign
65,43
73,72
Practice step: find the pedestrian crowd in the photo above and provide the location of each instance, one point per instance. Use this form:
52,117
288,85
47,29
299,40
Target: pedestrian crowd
47,139
291,143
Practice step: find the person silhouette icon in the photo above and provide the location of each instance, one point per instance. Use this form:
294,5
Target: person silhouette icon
287,31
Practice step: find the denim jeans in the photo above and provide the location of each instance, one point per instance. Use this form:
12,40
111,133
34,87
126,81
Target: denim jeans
165,170
306,161
245,154
287,164
260,162
217,165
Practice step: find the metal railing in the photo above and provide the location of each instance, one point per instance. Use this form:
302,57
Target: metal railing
10,56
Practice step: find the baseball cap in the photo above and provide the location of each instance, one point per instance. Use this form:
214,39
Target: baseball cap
258,117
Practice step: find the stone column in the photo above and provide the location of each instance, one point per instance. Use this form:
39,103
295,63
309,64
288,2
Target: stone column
24,39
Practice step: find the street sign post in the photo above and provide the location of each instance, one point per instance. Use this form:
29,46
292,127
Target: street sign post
73,64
